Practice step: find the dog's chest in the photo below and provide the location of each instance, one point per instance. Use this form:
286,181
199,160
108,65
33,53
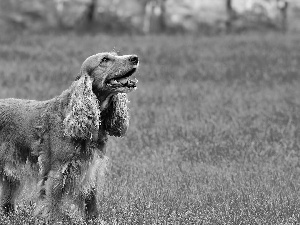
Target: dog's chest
83,175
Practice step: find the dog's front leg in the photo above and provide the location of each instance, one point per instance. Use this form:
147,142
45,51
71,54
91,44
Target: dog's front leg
48,207
43,173
87,205
92,186
91,208
10,189
41,148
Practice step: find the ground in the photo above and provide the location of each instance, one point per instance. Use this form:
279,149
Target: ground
214,135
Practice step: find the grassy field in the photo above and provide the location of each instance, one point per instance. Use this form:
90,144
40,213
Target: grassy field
215,124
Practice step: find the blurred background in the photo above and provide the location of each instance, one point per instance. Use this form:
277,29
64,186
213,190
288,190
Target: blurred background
152,16
214,135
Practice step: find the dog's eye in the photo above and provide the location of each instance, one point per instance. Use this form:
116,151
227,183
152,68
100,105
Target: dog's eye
105,59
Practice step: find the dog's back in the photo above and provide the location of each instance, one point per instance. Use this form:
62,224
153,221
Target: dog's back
17,128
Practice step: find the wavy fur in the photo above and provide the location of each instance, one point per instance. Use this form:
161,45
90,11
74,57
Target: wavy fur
117,116
83,116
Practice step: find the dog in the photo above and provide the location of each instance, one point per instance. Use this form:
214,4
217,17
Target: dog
64,138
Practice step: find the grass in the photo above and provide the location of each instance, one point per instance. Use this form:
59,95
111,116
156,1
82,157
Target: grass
214,136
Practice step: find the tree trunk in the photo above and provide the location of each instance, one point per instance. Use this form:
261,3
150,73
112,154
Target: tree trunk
230,15
147,6
162,16
91,11
283,8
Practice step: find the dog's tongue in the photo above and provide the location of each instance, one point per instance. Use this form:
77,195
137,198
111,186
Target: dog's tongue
113,81
123,80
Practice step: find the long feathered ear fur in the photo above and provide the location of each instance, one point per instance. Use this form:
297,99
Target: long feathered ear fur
116,116
83,115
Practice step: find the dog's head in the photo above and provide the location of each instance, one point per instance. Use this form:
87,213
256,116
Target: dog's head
111,73
99,96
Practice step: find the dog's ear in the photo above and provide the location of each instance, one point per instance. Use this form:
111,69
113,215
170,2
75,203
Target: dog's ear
83,115
115,117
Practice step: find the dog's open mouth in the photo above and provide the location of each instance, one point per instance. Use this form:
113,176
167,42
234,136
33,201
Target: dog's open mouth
123,80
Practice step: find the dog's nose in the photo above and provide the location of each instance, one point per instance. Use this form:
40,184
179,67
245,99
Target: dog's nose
134,59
